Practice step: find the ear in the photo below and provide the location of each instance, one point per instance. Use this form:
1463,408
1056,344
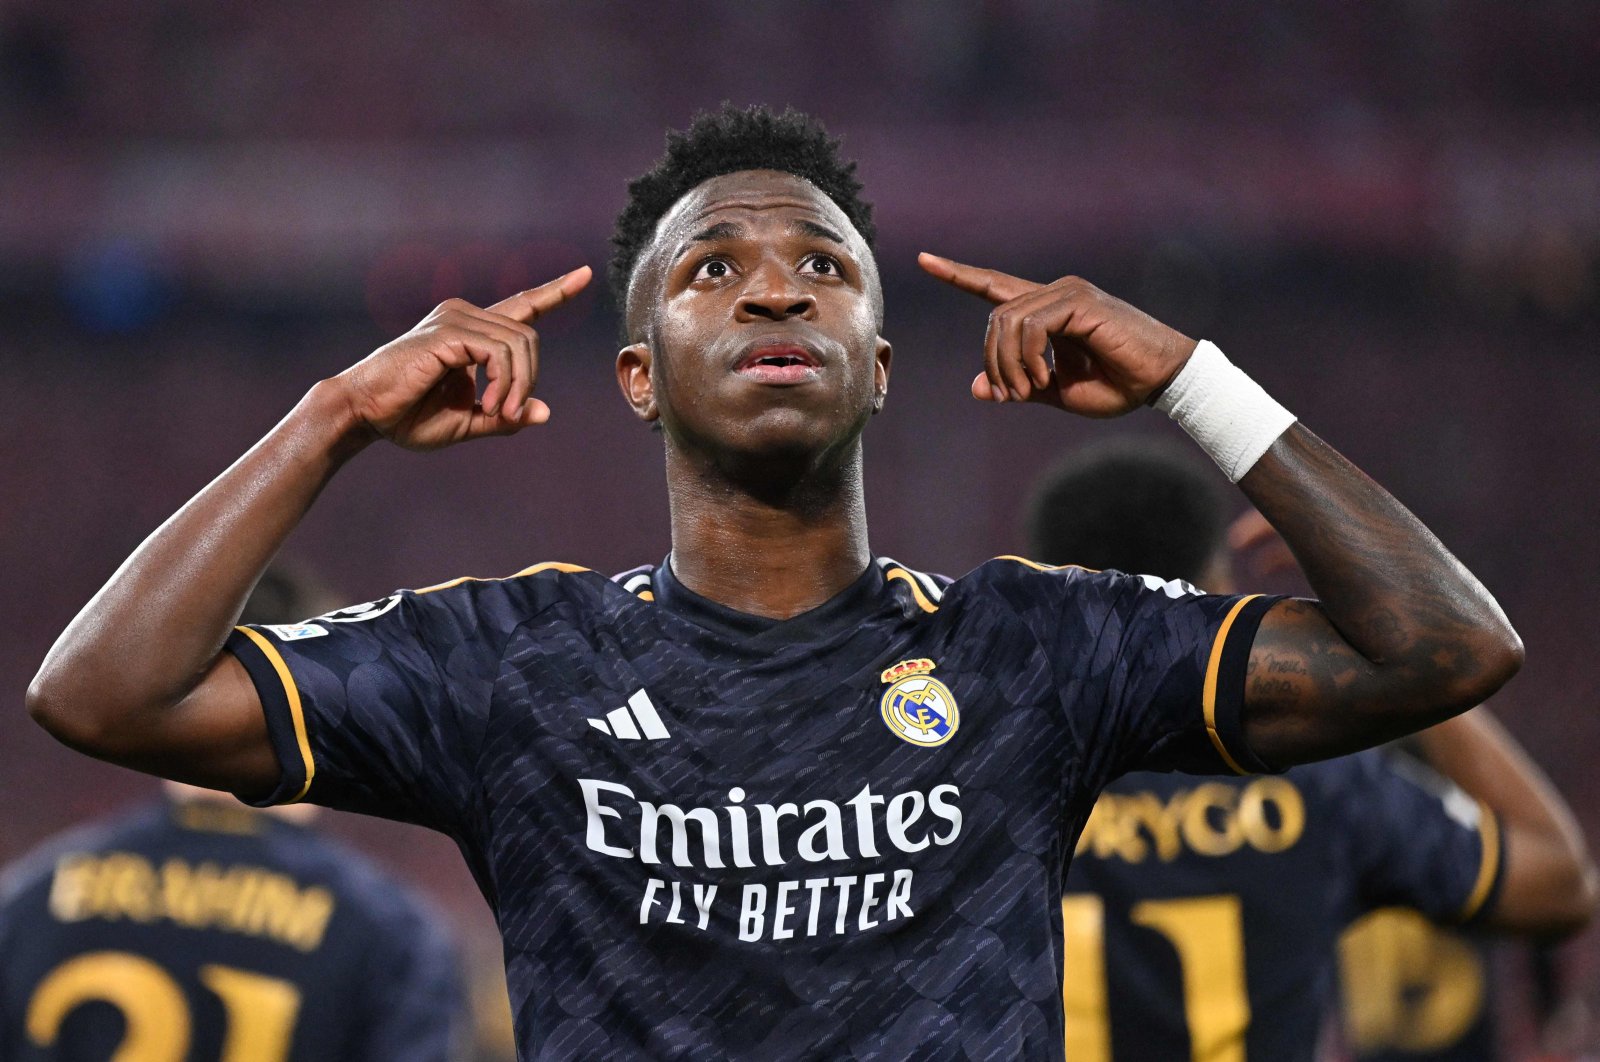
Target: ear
633,376
880,374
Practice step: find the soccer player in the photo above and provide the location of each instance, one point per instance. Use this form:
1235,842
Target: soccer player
771,795
1201,916
197,928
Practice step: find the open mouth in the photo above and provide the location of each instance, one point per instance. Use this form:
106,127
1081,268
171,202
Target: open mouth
779,364
778,357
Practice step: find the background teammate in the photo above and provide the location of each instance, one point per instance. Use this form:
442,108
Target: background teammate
1201,915
197,928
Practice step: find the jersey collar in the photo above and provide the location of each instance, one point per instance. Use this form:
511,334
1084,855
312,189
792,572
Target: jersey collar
845,609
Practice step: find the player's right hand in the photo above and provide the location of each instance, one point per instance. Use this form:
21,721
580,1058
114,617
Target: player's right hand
420,391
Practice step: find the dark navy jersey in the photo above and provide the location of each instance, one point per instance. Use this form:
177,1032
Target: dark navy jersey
198,930
1202,916
707,835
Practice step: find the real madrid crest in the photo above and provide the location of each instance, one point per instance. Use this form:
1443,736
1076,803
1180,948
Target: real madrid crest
917,707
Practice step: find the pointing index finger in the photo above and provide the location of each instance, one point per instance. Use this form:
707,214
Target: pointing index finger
528,306
989,284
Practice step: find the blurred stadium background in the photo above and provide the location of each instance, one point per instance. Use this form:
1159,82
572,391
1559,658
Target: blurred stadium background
1388,213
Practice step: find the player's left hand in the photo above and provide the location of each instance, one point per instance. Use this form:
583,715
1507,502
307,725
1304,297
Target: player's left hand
1107,357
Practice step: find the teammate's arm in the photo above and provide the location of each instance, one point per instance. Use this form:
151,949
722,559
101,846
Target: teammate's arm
1550,885
139,677
1402,636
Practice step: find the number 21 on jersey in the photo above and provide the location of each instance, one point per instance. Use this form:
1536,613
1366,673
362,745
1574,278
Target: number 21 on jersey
261,1011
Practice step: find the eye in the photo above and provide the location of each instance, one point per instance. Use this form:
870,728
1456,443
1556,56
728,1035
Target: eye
822,265
712,269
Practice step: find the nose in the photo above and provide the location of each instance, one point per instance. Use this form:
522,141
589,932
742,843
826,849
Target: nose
774,294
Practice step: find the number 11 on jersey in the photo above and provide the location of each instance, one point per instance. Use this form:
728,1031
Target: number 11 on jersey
1207,933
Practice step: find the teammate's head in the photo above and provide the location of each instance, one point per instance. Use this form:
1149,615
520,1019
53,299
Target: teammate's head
750,295
285,594
1137,505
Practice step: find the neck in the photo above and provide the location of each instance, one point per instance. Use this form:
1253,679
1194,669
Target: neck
770,542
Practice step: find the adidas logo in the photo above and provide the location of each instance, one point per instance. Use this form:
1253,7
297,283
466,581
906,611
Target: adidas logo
631,726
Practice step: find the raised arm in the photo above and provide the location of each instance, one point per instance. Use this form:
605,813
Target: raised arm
139,677
1402,636
1550,885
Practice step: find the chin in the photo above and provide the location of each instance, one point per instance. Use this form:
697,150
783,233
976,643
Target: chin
796,443
779,438
790,443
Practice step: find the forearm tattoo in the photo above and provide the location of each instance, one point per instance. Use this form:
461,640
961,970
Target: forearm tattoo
1401,636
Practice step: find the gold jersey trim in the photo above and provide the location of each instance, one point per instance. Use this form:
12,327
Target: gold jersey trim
1489,867
1209,696
534,570
916,590
1036,566
296,713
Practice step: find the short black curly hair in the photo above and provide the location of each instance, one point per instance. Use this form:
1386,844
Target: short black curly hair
1143,506
727,141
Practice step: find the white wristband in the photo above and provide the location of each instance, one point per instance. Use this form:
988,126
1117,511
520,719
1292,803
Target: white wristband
1223,410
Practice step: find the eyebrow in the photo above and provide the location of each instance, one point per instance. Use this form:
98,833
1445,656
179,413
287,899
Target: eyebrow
732,230
811,228
722,230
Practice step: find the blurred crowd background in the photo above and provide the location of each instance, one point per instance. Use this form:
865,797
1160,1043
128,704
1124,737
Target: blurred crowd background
1387,213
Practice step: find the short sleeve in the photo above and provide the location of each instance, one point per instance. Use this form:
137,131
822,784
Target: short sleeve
1418,840
1176,691
1150,672
381,708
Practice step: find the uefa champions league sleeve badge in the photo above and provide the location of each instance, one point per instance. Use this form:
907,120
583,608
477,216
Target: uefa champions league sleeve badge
917,707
